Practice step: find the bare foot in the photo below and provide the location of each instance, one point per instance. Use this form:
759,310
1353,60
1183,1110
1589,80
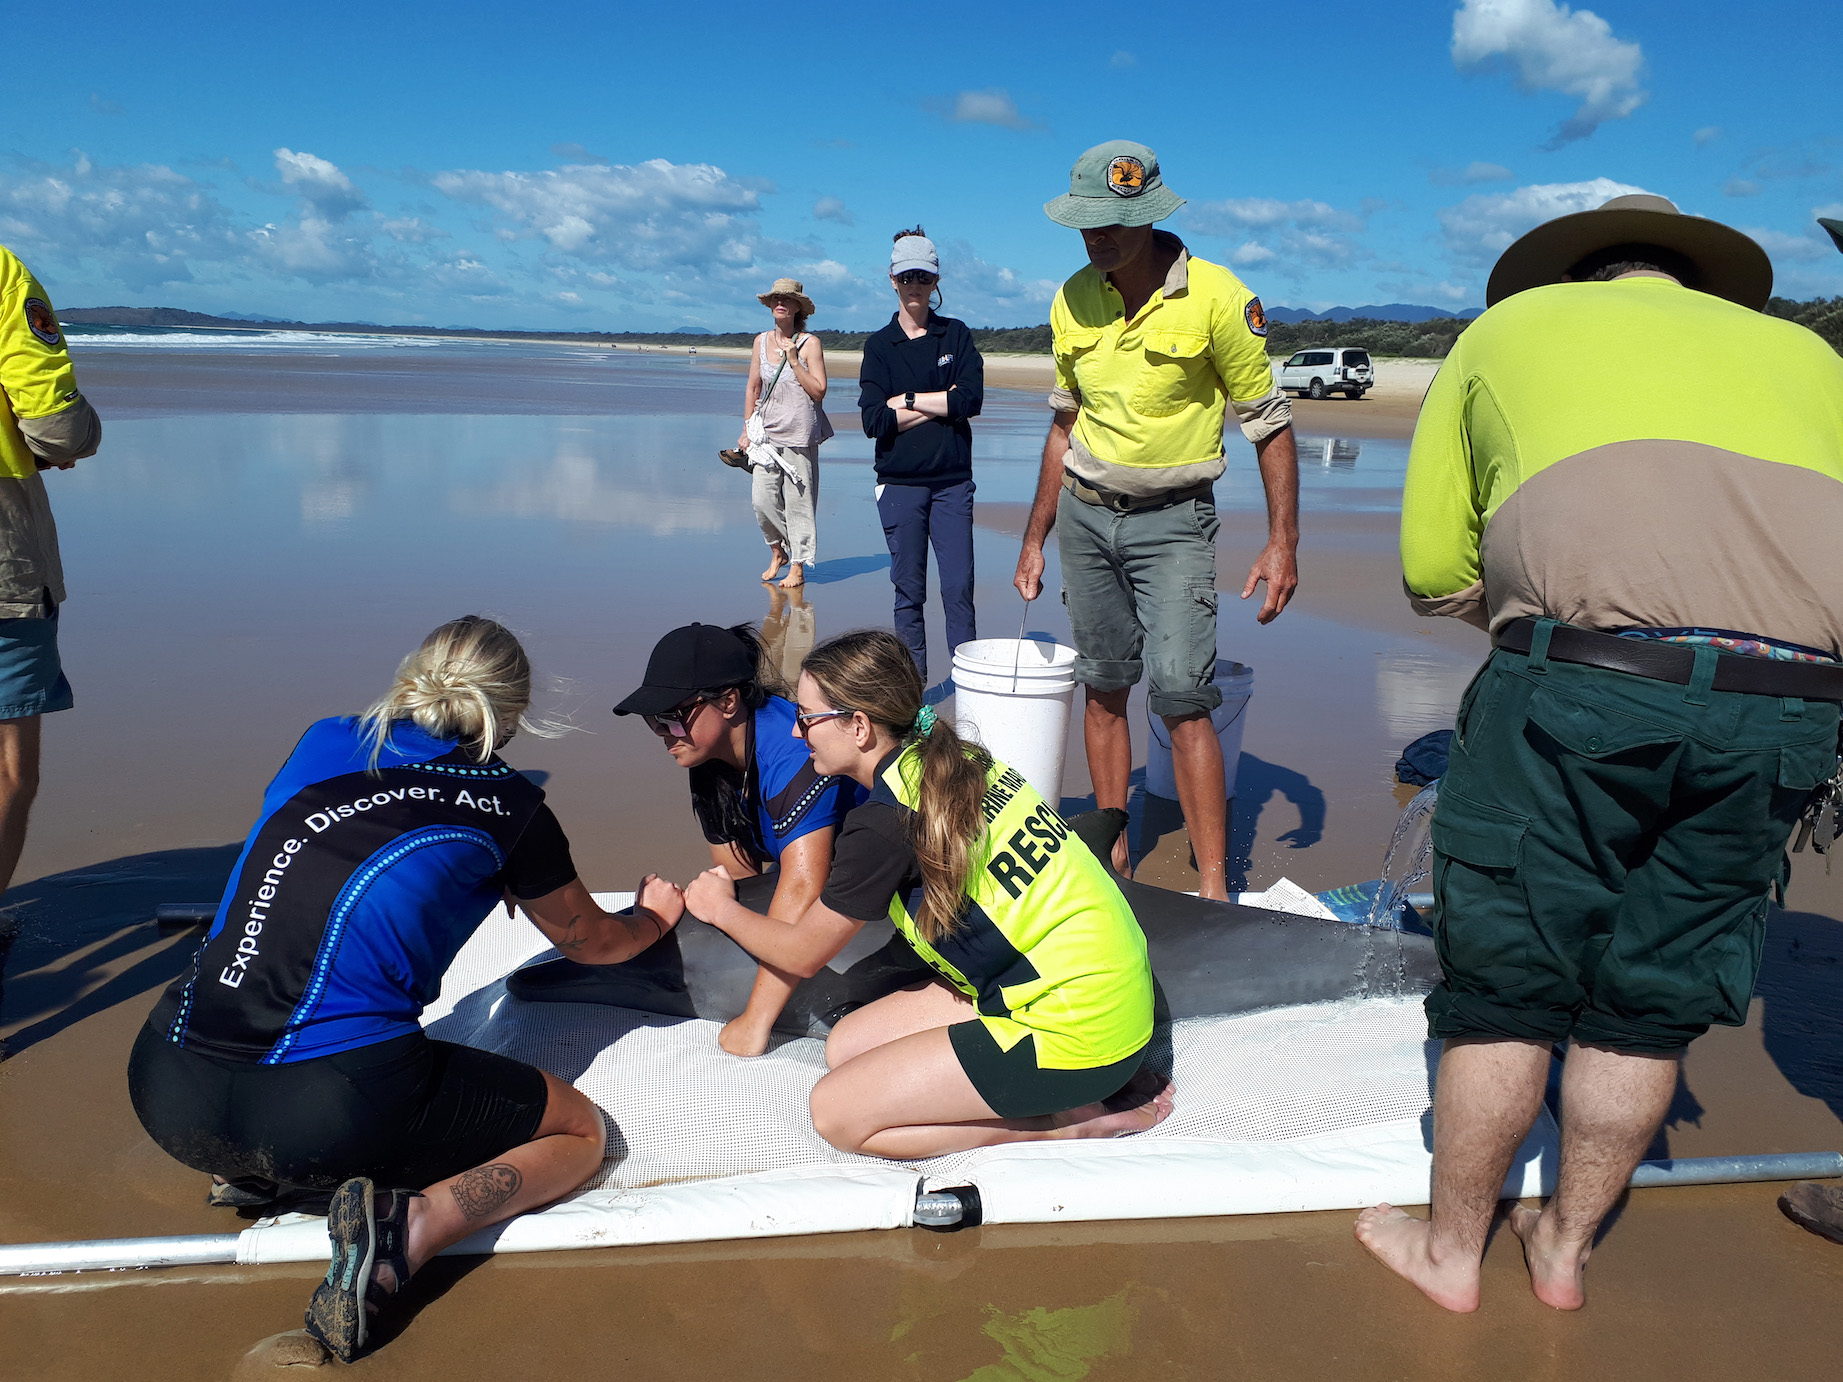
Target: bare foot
1403,1244
1137,1108
1554,1269
1122,857
795,578
745,1035
777,559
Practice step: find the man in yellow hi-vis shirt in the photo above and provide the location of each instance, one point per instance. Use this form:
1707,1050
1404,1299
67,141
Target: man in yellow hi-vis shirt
1152,347
44,424
1633,479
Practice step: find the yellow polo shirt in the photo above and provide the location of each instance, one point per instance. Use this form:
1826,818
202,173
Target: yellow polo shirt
1152,393
36,378
1632,454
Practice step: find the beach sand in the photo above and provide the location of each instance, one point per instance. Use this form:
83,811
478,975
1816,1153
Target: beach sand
238,571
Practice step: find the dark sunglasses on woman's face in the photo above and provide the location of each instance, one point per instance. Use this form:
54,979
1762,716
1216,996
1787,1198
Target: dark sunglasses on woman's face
676,722
909,278
804,722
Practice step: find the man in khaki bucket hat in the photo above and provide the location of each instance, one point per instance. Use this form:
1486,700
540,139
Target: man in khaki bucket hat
1154,347
1633,480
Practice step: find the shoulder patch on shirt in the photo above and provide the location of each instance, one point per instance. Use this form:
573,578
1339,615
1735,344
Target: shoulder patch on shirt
41,322
1257,316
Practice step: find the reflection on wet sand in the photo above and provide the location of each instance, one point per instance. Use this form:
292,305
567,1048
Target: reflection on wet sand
787,632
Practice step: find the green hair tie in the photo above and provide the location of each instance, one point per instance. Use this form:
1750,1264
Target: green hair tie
924,722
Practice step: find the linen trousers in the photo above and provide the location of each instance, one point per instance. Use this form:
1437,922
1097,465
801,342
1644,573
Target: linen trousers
786,497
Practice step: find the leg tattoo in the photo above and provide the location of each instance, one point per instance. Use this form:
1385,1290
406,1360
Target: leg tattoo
485,1189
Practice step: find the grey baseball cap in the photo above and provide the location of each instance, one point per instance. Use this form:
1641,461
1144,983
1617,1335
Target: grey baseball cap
914,252
1114,184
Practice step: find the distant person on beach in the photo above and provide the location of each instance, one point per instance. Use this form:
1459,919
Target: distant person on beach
761,802
1033,1002
1634,480
1153,346
45,424
290,1057
921,382
784,421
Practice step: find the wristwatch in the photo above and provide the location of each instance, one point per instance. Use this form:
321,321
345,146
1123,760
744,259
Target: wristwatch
908,400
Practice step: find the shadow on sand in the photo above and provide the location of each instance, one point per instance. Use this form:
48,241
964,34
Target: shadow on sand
88,940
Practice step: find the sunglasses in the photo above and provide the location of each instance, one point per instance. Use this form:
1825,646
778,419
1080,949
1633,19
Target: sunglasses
909,278
676,722
804,722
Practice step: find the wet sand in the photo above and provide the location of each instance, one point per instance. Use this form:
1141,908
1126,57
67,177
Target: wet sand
233,577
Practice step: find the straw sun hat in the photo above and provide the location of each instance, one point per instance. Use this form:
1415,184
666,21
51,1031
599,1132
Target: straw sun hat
1732,266
787,288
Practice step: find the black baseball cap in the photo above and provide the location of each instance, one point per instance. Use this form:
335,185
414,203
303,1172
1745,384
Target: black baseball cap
697,657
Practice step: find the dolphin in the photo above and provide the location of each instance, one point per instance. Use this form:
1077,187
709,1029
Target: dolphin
1209,958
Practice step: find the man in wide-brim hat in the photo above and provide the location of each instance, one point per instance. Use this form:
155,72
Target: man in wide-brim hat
1634,480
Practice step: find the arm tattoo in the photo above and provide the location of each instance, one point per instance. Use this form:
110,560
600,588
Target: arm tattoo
485,1189
571,942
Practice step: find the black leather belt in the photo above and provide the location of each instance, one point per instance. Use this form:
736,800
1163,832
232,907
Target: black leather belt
1674,662
1134,503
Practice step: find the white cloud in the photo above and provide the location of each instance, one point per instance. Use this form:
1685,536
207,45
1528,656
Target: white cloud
654,216
985,294
330,193
141,225
1708,134
1549,47
1740,187
833,209
412,230
1470,175
1796,248
1479,228
993,107
1290,235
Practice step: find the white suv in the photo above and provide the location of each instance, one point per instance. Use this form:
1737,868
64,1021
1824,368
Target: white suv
1315,373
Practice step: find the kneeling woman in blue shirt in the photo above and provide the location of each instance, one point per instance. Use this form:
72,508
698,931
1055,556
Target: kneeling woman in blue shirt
754,788
291,1052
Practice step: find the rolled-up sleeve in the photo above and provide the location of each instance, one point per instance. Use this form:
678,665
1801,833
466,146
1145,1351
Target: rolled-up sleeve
1441,525
966,395
1240,357
874,390
67,435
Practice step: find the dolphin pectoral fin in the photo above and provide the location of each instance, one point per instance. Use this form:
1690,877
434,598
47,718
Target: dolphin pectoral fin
652,981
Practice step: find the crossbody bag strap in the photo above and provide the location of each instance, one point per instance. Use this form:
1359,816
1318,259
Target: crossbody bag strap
762,402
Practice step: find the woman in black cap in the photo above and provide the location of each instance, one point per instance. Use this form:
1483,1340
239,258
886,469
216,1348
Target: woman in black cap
754,788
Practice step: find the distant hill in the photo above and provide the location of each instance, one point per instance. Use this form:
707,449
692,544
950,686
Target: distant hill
1384,312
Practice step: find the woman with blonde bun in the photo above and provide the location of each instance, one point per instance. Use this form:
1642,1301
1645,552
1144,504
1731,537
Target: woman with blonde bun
290,1058
1034,1005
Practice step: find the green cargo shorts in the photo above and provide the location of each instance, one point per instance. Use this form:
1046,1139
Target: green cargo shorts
1604,850
1141,593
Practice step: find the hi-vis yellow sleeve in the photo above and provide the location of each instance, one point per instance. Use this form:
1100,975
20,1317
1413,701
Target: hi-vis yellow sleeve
1442,516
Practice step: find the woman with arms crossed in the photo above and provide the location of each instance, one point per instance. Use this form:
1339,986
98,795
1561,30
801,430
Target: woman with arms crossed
291,1054
784,423
1037,1020
754,788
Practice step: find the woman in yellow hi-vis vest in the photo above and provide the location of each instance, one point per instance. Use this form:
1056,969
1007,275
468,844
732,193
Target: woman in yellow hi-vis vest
1032,1014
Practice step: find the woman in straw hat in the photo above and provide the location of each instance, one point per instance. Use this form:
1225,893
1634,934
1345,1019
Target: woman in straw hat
784,425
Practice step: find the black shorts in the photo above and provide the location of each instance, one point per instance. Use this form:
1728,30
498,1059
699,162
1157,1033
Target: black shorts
406,1112
1015,1086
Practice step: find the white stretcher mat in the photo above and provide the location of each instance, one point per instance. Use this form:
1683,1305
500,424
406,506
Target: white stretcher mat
1324,1106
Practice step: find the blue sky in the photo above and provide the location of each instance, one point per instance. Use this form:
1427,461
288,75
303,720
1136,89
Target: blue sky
604,167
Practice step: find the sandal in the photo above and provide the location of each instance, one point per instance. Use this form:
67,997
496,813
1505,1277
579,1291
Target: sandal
339,1315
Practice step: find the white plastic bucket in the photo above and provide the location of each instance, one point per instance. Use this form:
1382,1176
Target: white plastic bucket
1237,683
1021,715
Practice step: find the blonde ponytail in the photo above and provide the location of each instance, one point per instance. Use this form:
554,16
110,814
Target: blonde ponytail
871,671
470,681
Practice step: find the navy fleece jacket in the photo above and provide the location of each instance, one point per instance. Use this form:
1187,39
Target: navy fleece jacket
942,359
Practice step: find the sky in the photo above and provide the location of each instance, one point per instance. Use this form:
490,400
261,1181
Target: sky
654,166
